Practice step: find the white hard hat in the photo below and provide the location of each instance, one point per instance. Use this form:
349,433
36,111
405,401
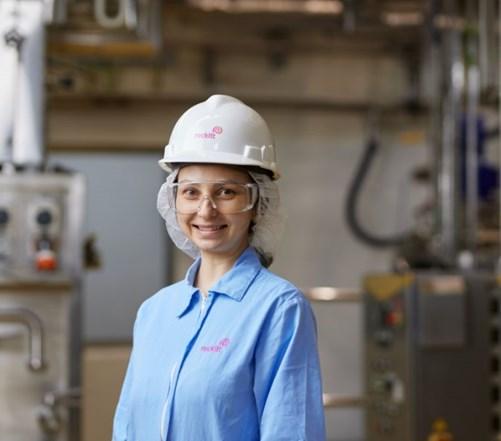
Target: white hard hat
221,130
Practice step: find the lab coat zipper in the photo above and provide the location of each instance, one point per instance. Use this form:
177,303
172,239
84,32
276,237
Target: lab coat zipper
164,408
163,428
204,303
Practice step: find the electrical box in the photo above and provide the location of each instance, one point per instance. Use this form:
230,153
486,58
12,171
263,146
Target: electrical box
432,347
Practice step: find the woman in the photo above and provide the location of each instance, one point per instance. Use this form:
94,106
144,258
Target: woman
229,353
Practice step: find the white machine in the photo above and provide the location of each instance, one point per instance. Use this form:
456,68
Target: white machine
41,214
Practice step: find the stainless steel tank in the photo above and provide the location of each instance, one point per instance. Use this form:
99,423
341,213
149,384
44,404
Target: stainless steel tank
40,313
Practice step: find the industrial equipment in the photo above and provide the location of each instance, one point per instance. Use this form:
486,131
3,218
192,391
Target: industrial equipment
40,312
41,213
432,346
432,325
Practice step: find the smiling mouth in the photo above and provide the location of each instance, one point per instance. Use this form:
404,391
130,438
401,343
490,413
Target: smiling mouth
209,228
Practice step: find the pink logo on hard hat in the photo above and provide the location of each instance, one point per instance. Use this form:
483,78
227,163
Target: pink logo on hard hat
205,135
216,130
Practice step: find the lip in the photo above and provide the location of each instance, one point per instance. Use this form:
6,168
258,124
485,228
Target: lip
209,228
209,231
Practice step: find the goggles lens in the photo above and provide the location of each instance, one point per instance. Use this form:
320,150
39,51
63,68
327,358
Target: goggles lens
225,197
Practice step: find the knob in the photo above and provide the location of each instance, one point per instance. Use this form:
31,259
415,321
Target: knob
384,338
4,217
44,217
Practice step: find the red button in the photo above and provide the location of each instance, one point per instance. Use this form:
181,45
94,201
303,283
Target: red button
46,260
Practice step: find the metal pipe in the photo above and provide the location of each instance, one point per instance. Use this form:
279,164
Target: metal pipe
471,157
483,40
21,26
67,398
126,14
434,53
11,42
331,294
49,414
34,326
57,11
334,400
499,143
487,43
449,170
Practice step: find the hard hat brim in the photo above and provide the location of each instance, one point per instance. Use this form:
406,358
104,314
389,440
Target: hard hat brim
224,159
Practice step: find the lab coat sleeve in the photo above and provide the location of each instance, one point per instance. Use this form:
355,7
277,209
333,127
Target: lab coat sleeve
122,412
120,421
287,382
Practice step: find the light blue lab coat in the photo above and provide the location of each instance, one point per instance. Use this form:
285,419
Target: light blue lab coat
241,366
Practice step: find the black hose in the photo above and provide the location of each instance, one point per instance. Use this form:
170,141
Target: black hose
352,199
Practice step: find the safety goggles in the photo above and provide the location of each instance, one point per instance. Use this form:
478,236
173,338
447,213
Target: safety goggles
227,197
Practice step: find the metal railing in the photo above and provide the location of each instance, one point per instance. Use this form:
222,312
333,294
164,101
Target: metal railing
336,295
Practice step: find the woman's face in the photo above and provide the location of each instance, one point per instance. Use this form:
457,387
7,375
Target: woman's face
212,232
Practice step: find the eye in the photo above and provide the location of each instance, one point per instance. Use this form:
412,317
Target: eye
226,193
190,192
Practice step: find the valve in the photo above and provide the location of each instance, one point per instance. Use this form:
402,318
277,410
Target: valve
44,218
14,39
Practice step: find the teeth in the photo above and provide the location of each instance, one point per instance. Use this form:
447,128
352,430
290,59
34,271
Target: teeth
209,228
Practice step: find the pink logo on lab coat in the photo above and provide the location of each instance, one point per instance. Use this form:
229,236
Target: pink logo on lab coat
216,348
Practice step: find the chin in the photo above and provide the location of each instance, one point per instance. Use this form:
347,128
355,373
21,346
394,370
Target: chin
220,249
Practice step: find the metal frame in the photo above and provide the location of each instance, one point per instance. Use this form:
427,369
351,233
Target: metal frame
336,295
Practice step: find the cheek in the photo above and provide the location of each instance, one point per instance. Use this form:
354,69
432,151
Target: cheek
243,226
182,222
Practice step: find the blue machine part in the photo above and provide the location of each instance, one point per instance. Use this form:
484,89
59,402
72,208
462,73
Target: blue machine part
488,175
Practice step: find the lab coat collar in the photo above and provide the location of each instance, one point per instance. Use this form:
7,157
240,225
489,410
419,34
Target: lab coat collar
233,283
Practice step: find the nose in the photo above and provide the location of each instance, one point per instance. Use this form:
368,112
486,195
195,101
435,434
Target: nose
207,207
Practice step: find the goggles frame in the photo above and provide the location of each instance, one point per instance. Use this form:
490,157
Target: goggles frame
252,190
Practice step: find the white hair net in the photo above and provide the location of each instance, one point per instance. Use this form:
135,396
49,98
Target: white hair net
268,223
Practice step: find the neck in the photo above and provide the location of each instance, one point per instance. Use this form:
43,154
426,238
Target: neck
213,266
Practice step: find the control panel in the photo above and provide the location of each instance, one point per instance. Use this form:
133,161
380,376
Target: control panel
386,373
428,347
39,221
